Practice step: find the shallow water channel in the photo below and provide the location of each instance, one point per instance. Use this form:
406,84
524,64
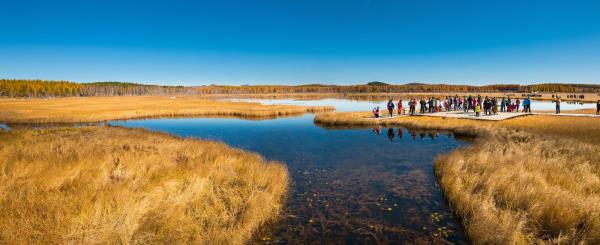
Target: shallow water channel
359,185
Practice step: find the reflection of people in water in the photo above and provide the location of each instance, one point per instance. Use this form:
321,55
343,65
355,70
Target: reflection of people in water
377,130
412,133
391,134
399,133
431,136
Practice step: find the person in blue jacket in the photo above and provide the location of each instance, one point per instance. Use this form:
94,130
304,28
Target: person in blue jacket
527,105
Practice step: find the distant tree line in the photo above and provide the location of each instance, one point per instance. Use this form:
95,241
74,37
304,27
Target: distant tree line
404,88
41,88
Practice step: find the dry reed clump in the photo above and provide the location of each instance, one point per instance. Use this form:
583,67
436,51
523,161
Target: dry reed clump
116,185
516,188
97,109
526,180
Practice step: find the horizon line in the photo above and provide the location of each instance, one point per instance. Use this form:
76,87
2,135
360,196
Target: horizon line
242,84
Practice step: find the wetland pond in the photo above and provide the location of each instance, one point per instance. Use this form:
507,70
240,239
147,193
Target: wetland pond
348,186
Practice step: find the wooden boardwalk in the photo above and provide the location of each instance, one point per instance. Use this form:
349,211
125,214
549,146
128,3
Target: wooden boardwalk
471,115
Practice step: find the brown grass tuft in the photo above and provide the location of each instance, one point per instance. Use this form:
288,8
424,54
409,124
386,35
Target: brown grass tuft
116,185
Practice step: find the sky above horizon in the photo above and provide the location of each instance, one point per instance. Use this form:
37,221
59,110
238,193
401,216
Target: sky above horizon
302,41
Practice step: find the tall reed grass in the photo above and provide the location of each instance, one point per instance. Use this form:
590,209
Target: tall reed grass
526,180
107,185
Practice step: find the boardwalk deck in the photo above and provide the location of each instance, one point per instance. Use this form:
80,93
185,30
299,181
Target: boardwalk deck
471,115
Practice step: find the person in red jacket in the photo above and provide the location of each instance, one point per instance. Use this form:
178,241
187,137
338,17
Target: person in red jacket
400,107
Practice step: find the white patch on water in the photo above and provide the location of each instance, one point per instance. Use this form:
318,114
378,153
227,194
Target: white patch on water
4,126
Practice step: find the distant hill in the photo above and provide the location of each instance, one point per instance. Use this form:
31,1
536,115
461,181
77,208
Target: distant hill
377,83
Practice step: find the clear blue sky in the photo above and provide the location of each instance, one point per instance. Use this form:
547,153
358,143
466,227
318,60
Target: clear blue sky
303,41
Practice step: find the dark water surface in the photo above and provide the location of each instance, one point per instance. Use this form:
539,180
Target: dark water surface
364,185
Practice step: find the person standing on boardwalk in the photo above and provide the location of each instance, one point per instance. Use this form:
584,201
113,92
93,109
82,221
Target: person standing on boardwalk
431,107
400,107
503,104
414,106
455,102
598,107
557,102
390,107
486,106
494,106
469,103
477,109
411,106
527,105
422,102
517,103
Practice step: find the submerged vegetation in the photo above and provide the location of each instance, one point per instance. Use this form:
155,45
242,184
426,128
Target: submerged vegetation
533,179
117,185
97,109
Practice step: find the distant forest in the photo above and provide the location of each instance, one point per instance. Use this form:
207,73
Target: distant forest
40,88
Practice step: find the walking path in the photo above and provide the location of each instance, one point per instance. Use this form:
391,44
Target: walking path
501,115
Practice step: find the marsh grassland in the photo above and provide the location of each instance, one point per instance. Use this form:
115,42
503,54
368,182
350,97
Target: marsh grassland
526,180
97,109
118,186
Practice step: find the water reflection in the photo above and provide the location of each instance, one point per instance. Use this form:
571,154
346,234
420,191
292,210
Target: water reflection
377,130
384,196
348,186
391,134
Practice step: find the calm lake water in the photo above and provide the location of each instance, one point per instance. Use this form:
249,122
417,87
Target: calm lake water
349,186
363,105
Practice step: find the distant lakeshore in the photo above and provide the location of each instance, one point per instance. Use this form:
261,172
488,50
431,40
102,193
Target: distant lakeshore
42,88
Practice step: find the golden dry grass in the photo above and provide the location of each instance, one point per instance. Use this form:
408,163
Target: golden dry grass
97,109
527,180
98,185
517,188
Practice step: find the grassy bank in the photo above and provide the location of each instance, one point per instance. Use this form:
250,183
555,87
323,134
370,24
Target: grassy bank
116,185
526,180
96,109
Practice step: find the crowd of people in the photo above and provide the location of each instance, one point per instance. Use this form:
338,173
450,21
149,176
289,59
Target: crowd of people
490,106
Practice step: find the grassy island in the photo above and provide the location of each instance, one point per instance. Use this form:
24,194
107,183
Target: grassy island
97,109
115,185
